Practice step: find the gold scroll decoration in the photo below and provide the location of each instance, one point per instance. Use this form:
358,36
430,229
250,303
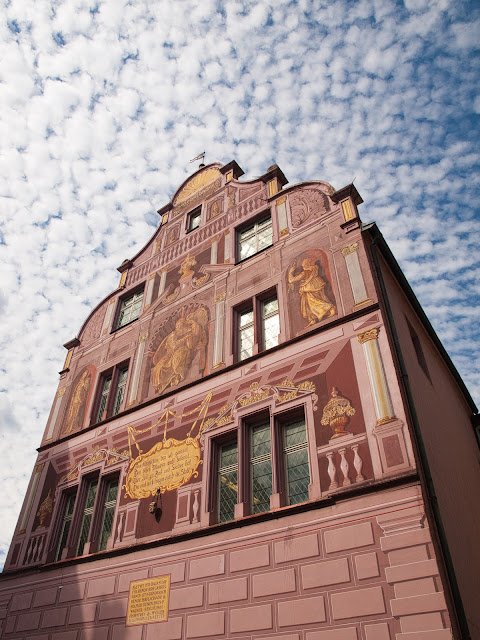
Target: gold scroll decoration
148,601
168,465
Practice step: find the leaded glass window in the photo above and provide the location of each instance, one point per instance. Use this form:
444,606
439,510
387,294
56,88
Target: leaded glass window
270,323
87,515
295,451
130,309
227,481
108,513
260,467
65,526
104,397
246,334
120,391
254,238
194,219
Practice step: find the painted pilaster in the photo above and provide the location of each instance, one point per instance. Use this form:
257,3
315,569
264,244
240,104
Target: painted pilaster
219,329
227,247
163,279
56,410
214,250
282,216
108,317
149,291
138,365
355,273
376,375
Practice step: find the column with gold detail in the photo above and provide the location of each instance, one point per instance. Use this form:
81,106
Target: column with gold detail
388,430
227,247
219,329
138,366
149,291
108,316
282,215
355,274
163,279
214,250
376,375
56,410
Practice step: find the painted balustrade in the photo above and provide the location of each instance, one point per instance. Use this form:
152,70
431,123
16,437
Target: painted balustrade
35,548
341,471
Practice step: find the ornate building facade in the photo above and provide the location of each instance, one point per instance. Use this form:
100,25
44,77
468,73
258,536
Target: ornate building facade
257,435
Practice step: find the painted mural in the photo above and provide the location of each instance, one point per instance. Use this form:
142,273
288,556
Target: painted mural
184,340
78,401
314,297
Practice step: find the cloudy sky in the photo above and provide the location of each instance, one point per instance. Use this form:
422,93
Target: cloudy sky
104,102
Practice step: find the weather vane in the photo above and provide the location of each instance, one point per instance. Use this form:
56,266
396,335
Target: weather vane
201,157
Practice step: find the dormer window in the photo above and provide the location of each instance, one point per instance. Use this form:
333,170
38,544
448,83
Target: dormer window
194,218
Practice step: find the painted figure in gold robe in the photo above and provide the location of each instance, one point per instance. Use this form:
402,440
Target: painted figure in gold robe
314,302
76,409
174,356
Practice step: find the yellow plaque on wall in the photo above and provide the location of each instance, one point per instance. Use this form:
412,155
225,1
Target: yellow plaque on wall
168,465
148,601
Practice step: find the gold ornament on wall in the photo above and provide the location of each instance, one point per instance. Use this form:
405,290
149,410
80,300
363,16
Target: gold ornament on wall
45,509
336,414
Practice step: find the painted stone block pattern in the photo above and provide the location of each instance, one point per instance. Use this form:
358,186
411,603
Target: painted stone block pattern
326,579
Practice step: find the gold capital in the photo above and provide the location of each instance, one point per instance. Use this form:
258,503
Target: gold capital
371,334
142,337
220,297
283,232
350,249
281,200
61,392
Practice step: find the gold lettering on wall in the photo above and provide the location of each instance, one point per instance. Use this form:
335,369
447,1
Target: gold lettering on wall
148,601
168,465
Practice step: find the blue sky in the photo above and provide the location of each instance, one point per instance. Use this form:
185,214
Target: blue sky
104,102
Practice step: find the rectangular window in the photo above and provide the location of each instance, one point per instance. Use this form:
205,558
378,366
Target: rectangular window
65,525
93,519
270,321
258,326
260,467
254,238
111,393
227,481
295,455
108,511
272,462
194,218
129,309
87,515
246,334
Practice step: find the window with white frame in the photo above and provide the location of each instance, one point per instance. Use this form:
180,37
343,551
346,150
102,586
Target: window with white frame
130,308
258,325
194,218
254,238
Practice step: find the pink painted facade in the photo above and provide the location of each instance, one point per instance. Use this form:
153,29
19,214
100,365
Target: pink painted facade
235,416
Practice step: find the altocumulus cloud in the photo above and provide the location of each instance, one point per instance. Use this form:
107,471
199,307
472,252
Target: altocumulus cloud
103,103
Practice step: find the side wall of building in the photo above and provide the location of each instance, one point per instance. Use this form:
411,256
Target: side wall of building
452,450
